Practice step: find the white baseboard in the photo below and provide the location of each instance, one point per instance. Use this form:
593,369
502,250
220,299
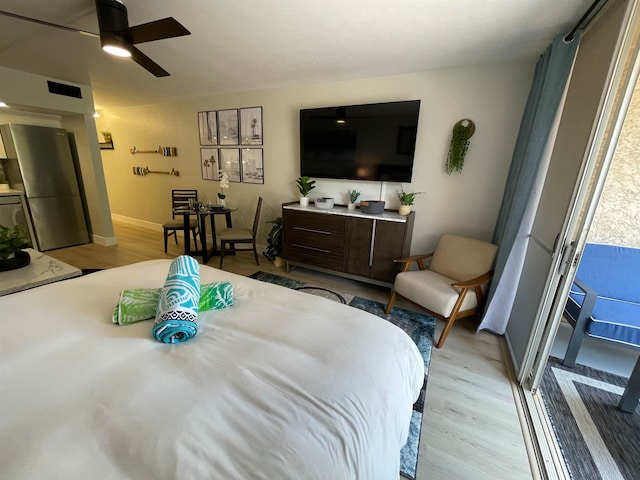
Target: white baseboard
137,222
104,241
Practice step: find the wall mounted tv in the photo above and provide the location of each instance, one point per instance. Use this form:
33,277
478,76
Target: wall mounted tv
359,142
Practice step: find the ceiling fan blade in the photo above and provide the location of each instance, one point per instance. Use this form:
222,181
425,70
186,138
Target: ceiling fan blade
145,62
48,24
158,30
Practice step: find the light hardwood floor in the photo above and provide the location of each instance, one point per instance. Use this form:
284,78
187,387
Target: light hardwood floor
470,428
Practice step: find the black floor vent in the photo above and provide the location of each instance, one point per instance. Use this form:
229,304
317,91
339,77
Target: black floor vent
62,89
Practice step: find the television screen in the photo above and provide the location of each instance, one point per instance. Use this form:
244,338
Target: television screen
359,142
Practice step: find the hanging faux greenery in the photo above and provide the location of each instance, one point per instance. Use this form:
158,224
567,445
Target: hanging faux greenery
462,132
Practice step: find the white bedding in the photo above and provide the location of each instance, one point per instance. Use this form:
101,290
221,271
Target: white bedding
282,385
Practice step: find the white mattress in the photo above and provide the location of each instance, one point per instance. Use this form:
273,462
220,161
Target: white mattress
282,385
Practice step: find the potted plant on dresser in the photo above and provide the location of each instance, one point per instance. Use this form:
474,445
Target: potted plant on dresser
305,186
353,198
406,200
12,241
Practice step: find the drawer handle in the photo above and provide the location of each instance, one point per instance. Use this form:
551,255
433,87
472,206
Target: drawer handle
312,231
311,248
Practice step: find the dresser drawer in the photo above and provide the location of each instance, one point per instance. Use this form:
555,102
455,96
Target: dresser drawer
319,222
311,255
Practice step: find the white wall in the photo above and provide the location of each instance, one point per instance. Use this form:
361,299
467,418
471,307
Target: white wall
493,96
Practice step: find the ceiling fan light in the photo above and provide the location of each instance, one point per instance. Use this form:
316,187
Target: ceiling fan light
115,45
117,50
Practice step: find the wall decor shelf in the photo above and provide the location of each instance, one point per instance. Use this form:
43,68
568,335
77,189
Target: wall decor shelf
164,151
142,171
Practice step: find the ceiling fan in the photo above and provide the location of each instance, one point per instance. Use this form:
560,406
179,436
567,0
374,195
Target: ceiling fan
118,38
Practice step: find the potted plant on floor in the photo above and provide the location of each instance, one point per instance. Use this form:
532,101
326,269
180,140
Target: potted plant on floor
12,241
305,186
4,183
274,243
406,200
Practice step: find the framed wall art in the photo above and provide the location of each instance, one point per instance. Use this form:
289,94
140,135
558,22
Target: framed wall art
251,126
208,128
252,166
209,163
228,127
230,161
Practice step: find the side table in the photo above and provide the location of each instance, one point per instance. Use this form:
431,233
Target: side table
42,270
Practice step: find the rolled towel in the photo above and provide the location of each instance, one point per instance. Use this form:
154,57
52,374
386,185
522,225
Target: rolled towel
138,304
175,319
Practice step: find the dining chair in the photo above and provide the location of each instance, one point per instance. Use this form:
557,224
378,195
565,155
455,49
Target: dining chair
234,236
180,198
452,285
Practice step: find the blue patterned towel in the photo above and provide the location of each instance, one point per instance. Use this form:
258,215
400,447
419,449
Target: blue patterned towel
178,304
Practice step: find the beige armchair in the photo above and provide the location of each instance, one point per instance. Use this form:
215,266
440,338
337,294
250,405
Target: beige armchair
452,285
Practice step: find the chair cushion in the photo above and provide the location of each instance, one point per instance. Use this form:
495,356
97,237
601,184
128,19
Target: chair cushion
462,258
433,291
235,234
179,224
611,319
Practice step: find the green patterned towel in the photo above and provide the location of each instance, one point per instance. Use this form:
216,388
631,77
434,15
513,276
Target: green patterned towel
139,304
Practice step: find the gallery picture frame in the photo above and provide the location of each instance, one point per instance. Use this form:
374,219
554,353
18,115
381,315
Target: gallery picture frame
228,128
230,161
251,126
210,163
252,165
208,127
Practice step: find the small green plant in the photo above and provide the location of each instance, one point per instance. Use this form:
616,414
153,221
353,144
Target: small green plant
406,198
353,195
274,240
107,136
3,179
305,185
12,240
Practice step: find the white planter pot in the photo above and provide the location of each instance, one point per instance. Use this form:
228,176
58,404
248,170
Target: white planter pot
351,206
404,209
304,201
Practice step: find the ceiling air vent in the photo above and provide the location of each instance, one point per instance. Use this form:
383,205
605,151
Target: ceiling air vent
62,89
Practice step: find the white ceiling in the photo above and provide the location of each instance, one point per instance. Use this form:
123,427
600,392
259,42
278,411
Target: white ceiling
257,44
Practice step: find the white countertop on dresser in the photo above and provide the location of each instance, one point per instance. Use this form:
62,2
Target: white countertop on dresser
387,215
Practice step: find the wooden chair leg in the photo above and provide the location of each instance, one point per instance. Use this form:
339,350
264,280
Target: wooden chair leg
166,237
445,331
195,241
255,252
392,300
221,252
175,235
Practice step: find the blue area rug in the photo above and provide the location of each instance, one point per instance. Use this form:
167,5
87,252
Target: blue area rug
418,326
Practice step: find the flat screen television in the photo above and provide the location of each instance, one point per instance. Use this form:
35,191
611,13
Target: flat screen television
375,141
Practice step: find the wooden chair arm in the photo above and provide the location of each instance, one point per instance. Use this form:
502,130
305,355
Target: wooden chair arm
413,258
474,282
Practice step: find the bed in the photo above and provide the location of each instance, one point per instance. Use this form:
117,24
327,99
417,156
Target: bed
281,385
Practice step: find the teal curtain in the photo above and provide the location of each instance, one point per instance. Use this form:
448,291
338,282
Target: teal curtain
529,162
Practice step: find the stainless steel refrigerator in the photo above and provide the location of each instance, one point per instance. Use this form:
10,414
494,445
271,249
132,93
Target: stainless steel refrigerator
39,162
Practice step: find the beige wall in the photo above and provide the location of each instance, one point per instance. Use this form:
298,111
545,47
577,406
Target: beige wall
617,217
492,96
31,103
